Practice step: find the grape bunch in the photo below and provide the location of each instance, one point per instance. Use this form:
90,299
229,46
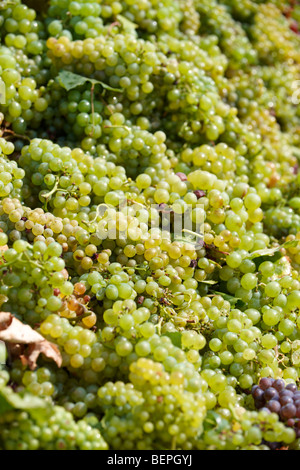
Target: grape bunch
275,396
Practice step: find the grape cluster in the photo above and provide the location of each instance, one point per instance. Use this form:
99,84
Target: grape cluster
39,425
20,431
248,430
275,396
165,411
21,29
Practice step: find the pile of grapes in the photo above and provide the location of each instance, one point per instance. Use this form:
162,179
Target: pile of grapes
150,224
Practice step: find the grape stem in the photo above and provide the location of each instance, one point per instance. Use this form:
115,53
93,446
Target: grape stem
53,190
13,134
97,214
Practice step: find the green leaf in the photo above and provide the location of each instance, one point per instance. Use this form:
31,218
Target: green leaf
271,254
69,81
232,300
272,251
290,244
273,259
104,85
36,406
126,23
25,402
214,421
264,252
175,338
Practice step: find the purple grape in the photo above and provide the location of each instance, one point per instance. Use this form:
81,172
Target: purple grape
271,393
288,411
287,393
266,382
285,400
278,384
258,393
259,403
290,422
292,387
274,406
264,408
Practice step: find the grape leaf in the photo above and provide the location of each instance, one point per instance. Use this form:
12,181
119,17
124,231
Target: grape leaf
232,300
174,337
14,332
272,258
37,407
290,244
264,252
126,23
272,251
214,421
69,81
25,402
271,254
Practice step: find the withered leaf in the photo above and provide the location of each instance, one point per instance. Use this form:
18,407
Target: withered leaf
18,332
14,332
49,350
5,320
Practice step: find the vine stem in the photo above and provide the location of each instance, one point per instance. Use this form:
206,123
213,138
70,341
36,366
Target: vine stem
13,134
192,233
53,190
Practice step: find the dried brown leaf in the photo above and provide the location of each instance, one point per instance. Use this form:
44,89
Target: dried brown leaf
6,319
15,333
18,332
49,350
